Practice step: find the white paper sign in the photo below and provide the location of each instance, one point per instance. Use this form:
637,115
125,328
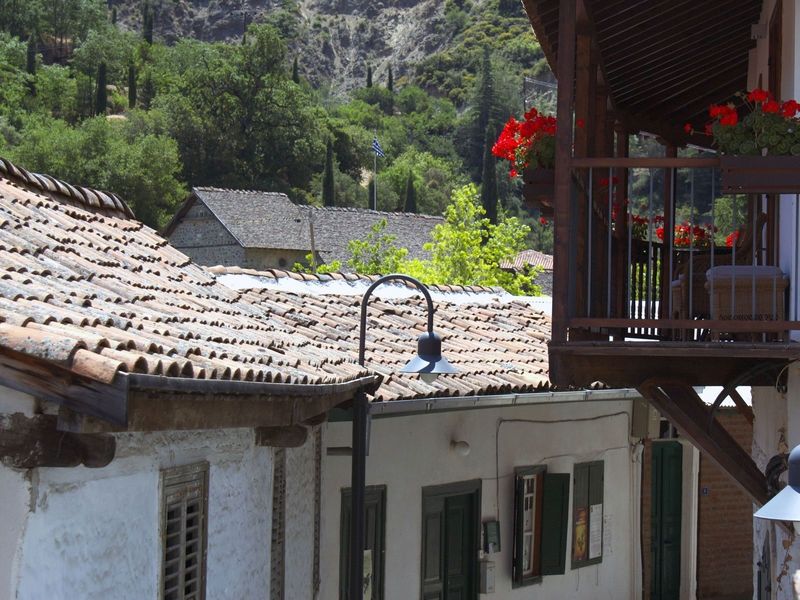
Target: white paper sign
367,593
595,531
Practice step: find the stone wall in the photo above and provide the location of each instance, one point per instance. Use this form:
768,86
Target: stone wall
205,240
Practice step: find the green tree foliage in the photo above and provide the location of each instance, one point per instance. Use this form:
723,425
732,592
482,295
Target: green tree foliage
411,195
107,155
369,76
465,250
434,180
114,47
295,71
390,80
328,184
101,93
148,90
489,177
377,253
238,118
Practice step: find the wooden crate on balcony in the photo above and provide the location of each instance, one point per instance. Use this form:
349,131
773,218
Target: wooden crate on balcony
744,292
760,174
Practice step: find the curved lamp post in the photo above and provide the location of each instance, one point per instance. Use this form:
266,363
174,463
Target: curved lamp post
429,363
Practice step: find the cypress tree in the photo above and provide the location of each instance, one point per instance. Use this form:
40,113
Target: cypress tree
30,63
148,91
411,195
131,86
485,109
489,178
369,76
114,16
101,96
390,80
295,71
147,27
328,191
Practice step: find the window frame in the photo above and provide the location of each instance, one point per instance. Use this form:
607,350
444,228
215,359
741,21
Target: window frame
519,578
177,485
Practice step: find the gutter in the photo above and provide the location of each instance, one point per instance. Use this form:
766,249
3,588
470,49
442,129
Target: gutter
444,404
139,381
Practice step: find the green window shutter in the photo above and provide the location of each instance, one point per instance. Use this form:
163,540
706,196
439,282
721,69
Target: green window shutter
595,483
555,514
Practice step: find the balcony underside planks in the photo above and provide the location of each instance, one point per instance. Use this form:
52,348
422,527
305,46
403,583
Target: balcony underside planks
629,364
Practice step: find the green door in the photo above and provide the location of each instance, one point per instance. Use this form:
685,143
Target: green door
666,520
450,518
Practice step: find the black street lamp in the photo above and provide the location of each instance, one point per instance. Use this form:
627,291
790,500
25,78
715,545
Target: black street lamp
429,363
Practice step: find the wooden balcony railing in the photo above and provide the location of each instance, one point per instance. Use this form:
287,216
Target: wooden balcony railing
659,250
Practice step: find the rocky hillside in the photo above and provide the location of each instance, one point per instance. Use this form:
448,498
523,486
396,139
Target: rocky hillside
335,40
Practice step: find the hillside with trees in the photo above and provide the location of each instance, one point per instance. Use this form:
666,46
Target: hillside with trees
112,95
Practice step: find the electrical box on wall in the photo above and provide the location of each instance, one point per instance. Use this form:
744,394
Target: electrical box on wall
487,577
491,537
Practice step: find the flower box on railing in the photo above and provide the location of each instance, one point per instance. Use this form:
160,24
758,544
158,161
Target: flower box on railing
760,174
539,189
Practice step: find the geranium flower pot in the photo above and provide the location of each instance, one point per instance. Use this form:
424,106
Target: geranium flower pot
539,189
760,174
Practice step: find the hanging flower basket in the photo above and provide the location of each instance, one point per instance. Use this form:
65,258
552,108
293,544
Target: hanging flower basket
539,189
760,174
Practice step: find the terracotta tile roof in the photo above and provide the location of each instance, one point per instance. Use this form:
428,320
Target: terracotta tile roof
271,220
95,200
499,346
527,258
84,286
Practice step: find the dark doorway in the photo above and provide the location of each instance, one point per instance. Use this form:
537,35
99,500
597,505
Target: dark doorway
666,520
450,541
374,544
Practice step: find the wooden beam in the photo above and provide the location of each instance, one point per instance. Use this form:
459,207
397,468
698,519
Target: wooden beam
678,402
31,442
292,436
48,381
563,175
745,410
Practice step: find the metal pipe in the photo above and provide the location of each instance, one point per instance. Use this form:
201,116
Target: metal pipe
589,246
608,266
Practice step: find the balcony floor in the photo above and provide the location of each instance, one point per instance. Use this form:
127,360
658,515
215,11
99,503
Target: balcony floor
629,364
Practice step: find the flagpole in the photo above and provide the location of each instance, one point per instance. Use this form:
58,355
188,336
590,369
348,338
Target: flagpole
375,178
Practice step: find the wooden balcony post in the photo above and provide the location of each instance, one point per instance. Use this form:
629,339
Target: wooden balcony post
621,277
564,306
669,227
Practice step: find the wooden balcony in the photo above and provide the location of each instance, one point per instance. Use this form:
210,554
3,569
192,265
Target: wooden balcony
670,273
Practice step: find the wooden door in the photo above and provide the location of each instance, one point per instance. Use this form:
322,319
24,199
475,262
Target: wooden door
374,542
450,519
666,520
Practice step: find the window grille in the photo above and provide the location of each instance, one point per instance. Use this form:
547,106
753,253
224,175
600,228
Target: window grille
184,532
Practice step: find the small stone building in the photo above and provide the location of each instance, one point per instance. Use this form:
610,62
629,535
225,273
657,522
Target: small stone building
263,230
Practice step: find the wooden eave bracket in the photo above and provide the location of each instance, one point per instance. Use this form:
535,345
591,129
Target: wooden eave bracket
31,442
679,403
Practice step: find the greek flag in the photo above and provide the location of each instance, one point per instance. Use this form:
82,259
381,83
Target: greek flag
376,147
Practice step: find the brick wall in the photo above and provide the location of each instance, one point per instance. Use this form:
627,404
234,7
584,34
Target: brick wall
725,525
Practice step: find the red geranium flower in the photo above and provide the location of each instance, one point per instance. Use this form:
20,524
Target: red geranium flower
542,221
771,107
789,108
759,95
688,128
580,123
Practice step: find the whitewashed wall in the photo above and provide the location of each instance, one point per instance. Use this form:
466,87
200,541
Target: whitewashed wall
300,521
94,533
410,452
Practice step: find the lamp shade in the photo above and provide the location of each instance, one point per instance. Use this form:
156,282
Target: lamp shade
429,357
785,505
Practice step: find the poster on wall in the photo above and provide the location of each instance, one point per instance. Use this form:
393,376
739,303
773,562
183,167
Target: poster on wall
367,589
580,542
595,531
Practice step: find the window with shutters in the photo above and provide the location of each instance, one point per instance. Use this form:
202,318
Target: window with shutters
540,524
587,515
183,529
